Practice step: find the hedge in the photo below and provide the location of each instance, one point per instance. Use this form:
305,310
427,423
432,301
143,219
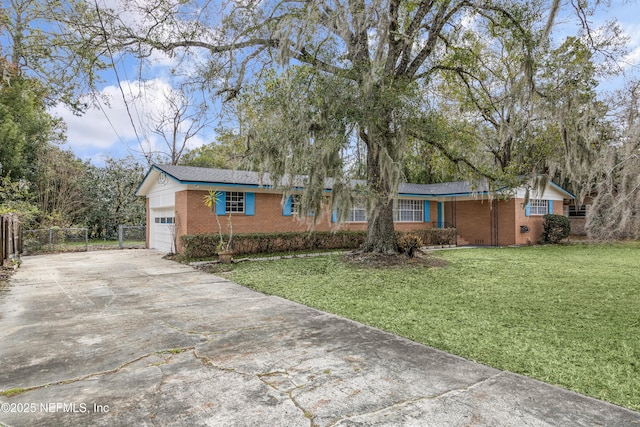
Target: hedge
205,245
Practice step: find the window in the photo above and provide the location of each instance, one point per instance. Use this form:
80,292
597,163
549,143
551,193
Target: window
235,202
295,201
577,211
408,211
538,207
164,220
357,214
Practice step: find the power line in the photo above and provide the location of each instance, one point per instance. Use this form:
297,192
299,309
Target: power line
117,75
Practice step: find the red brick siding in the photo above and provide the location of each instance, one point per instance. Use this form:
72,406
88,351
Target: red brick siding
506,222
193,217
473,221
534,222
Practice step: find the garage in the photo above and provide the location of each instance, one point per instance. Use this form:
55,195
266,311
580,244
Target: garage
162,229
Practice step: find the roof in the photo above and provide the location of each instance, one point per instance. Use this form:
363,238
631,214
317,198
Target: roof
192,174
210,176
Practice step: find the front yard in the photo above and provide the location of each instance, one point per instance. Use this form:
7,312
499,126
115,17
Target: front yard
566,315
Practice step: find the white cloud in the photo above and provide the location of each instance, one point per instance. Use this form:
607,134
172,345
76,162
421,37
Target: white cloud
632,59
109,131
98,128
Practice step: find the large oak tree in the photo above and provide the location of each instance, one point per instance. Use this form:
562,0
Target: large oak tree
361,69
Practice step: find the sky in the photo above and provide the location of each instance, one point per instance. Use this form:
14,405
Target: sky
115,130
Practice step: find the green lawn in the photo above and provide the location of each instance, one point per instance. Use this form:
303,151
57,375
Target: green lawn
567,315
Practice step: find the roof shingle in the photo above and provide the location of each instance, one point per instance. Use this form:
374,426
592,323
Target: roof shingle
192,174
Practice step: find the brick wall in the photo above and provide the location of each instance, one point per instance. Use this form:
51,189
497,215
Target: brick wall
507,226
473,221
193,217
534,222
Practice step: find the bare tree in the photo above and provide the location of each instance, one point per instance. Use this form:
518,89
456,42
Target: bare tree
178,119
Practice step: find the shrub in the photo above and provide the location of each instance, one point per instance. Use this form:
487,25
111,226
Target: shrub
206,245
409,243
556,228
434,236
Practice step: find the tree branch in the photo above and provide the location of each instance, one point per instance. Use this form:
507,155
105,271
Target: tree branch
456,159
439,21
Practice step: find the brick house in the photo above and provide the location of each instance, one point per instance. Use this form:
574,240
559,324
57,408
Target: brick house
175,207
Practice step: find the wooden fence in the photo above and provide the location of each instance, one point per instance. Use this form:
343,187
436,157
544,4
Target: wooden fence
10,238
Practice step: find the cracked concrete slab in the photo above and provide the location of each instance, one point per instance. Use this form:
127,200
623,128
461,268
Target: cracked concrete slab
127,338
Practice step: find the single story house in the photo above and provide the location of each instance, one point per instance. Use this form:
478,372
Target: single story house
175,207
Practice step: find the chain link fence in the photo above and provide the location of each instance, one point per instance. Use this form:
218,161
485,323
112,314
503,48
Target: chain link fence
132,236
55,239
46,240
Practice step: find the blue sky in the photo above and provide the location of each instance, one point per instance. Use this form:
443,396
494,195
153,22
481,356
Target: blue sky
109,132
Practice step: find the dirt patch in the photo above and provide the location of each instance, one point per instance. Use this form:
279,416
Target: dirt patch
372,260
216,268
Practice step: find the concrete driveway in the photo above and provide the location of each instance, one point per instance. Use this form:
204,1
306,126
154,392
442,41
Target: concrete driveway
127,338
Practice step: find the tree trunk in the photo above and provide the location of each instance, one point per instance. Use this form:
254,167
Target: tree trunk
381,237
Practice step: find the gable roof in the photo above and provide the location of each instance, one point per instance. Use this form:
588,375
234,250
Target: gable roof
209,176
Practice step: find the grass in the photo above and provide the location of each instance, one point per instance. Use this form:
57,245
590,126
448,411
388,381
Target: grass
13,392
566,315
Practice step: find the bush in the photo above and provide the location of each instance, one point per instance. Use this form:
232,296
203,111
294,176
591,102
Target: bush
434,236
556,228
409,243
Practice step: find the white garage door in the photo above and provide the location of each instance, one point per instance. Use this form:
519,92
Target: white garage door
162,230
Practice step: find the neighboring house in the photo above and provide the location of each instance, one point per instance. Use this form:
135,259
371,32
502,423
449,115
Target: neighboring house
175,208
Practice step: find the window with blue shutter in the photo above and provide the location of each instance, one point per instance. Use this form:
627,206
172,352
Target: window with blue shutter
287,207
235,202
440,215
427,211
221,202
250,204
537,207
550,206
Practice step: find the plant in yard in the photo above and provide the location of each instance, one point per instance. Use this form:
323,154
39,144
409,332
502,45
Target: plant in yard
409,243
211,200
556,228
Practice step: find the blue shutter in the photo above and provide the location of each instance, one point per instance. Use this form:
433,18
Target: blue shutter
221,202
334,216
440,215
550,202
427,211
249,204
286,208
527,210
